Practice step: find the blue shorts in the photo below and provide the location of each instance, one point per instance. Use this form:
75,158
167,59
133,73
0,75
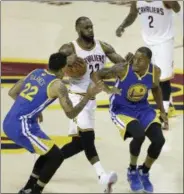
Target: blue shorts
145,116
28,135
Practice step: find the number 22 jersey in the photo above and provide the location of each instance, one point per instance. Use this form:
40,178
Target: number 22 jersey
34,95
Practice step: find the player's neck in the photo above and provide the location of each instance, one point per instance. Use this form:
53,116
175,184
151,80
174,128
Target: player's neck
86,45
143,72
51,72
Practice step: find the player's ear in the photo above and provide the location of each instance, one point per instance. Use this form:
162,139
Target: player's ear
77,29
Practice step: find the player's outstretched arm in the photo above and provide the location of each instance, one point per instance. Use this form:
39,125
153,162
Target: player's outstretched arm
59,90
129,20
111,53
116,71
16,89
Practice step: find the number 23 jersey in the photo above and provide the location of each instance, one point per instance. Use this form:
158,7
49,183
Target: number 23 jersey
34,95
156,21
95,59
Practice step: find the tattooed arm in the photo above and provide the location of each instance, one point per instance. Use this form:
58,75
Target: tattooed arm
111,53
129,20
59,90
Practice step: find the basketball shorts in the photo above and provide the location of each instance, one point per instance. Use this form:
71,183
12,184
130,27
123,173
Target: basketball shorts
86,118
123,117
27,135
163,57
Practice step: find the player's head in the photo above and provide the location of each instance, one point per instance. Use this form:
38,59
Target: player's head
57,63
84,27
142,59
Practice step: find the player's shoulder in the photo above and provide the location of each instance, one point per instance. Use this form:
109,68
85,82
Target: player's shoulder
67,48
55,87
156,69
106,46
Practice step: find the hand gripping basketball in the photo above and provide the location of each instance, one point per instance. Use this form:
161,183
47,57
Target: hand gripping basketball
76,67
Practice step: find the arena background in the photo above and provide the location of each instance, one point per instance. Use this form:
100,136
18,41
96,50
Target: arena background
30,32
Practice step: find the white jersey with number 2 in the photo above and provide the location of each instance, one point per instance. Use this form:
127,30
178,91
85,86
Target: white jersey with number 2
156,21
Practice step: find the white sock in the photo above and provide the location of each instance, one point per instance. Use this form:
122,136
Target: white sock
99,169
166,106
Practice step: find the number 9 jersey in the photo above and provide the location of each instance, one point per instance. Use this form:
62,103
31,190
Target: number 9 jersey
34,96
156,21
95,59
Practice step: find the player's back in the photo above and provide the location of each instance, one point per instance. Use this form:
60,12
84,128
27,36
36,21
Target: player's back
134,91
33,97
156,21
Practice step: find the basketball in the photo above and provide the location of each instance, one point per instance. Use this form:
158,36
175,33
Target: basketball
76,69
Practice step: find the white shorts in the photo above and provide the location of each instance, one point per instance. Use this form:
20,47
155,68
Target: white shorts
163,56
85,119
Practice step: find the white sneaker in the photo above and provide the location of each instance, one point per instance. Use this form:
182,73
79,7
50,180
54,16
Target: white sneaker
108,180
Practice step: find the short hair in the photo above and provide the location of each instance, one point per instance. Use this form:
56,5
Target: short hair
146,51
80,19
57,61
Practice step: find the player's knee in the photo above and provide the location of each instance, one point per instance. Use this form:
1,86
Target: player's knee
88,142
156,136
159,142
88,136
55,152
135,129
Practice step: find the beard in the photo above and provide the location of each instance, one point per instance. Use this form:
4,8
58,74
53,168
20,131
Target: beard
87,38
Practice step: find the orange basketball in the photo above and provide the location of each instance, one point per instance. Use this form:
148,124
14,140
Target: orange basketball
77,69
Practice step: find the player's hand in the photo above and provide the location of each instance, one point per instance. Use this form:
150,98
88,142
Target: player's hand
129,57
119,31
40,118
164,119
71,59
115,90
94,89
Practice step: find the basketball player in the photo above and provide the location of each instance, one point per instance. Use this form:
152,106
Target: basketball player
32,95
94,52
158,34
133,115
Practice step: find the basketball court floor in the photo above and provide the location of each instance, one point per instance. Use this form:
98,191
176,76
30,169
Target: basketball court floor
76,175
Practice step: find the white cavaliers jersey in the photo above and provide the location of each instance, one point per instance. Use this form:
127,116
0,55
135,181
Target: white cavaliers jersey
156,21
95,60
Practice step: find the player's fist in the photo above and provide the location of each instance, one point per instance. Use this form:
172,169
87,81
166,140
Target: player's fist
119,31
164,120
94,89
129,57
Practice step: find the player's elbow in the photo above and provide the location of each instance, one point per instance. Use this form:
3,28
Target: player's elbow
70,115
12,94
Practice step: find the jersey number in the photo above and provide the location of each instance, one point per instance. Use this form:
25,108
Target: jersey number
29,92
151,21
94,68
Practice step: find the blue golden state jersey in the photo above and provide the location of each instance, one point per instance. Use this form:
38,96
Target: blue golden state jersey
34,96
135,89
